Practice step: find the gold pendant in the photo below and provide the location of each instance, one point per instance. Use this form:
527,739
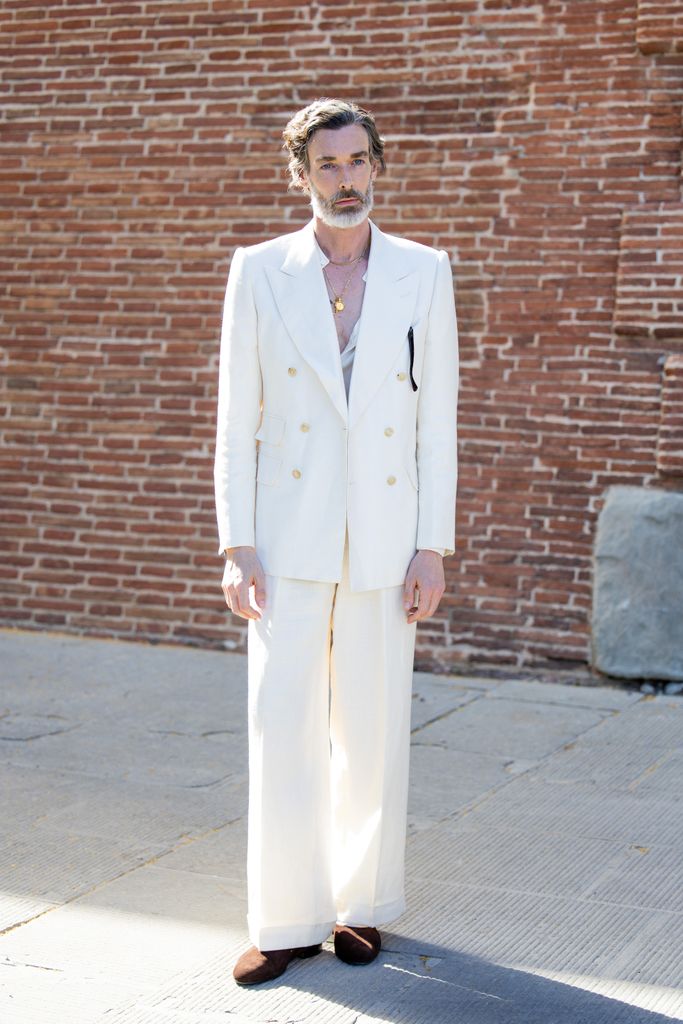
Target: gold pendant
338,305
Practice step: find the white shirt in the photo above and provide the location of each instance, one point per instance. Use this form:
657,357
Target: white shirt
348,354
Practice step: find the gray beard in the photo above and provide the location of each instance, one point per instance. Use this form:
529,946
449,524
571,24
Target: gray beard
324,210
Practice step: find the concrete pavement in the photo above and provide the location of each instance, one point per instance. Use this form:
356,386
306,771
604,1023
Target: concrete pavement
545,855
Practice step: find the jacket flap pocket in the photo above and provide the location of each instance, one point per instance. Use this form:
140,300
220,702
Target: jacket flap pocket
271,430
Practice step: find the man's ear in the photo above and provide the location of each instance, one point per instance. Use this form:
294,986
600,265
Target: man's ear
303,182
374,170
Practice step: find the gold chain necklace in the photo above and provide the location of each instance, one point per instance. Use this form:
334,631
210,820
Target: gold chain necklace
338,300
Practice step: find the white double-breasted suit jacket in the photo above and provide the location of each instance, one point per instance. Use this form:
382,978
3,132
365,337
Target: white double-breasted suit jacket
296,463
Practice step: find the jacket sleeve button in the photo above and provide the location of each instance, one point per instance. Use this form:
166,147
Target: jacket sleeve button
305,427
292,371
388,431
296,473
391,479
401,376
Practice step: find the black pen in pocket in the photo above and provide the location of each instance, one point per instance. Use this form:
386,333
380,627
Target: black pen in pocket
411,345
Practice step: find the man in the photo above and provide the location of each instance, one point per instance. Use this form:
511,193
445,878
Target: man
335,480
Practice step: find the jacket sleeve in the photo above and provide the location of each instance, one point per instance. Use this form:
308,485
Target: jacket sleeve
437,454
239,411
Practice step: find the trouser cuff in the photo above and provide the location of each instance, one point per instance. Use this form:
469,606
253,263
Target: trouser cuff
289,936
372,917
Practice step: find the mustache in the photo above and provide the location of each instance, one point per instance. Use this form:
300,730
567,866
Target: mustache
352,194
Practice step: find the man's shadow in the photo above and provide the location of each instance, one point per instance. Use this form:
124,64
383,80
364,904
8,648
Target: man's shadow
413,983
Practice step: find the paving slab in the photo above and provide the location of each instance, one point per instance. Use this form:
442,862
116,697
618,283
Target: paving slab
222,853
640,748
544,867
509,728
444,781
434,696
515,860
156,815
536,806
543,933
601,697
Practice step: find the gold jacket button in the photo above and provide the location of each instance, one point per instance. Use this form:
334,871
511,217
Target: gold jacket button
305,427
401,376
391,479
388,431
292,371
296,473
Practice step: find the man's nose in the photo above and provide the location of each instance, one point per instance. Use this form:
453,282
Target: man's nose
345,181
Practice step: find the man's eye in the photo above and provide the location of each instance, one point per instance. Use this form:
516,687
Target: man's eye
359,160
323,167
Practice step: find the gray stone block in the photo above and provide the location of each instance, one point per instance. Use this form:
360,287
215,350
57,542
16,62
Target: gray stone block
637,628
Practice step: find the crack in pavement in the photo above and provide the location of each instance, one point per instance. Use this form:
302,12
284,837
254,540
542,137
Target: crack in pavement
444,981
181,732
39,735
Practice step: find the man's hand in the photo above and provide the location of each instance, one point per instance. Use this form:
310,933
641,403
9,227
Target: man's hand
425,573
243,570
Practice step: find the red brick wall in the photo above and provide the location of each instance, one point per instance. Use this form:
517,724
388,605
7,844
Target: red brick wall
660,26
539,143
670,438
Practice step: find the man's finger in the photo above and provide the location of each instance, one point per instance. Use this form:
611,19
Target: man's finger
409,592
232,596
432,597
260,588
234,601
424,604
424,596
244,604
413,606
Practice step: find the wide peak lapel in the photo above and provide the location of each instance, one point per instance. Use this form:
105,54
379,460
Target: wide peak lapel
301,297
388,305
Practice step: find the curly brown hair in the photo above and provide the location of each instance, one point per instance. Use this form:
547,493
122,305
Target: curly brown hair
326,113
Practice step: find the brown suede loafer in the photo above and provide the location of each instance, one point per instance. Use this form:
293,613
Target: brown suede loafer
356,945
255,966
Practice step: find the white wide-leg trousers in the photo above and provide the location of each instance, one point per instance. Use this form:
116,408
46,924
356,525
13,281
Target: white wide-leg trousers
330,682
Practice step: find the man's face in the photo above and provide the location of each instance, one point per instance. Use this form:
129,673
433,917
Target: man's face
340,175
